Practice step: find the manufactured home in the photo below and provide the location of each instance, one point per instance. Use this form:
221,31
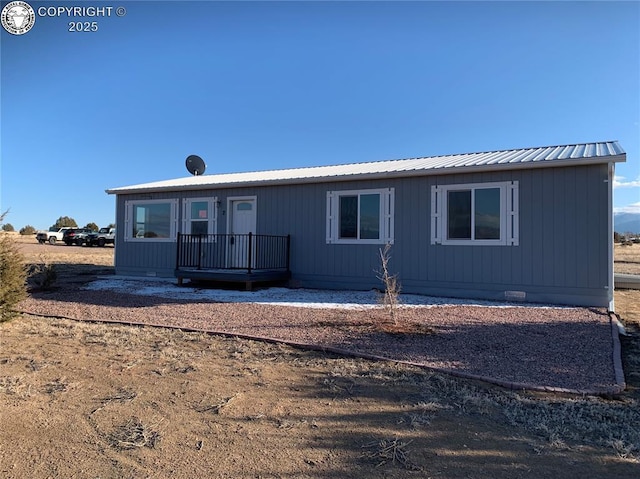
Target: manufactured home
530,224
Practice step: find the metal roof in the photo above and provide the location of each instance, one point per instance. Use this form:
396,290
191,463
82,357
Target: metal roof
524,158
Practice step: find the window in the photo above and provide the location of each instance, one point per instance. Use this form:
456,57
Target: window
150,220
199,216
363,216
475,214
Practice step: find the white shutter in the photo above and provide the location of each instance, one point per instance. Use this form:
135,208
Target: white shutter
513,220
389,208
175,210
330,217
185,216
127,220
214,215
436,215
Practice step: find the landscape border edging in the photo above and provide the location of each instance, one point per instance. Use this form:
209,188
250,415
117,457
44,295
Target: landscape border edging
620,384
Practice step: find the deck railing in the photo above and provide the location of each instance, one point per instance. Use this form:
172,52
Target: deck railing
232,251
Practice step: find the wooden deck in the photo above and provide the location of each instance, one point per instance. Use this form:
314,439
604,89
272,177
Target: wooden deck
233,276
232,258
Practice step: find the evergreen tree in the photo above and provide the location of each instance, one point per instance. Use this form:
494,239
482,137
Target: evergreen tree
13,276
64,221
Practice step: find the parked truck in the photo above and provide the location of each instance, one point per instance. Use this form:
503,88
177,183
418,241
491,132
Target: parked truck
103,237
52,236
76,236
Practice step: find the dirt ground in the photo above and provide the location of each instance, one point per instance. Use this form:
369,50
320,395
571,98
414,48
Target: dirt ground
91,400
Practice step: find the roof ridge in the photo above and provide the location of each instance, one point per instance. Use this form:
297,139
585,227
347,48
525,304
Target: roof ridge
311,167
515,158
498,151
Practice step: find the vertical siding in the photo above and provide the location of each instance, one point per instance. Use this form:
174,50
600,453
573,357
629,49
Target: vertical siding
597,226
148,258
562,253
532,218
560,219
571,207
547,206
527,239
582,233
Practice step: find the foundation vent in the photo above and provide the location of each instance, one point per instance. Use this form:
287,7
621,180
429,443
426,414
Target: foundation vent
515,295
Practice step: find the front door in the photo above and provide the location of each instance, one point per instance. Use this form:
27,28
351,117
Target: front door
242,222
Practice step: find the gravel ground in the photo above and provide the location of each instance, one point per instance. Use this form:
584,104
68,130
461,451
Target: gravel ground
567,349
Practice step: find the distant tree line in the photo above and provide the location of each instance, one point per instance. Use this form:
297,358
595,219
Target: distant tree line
62,222
626,239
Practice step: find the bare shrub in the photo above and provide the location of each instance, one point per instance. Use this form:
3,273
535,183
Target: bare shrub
134,434
390,451
391,295
56,386
10,385
219,406
43,274
622,449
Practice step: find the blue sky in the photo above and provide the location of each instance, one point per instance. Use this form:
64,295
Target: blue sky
267,85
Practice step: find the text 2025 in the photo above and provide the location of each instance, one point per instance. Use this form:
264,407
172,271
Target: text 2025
83,26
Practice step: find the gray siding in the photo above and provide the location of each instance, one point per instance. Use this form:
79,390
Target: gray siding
561,258
142,259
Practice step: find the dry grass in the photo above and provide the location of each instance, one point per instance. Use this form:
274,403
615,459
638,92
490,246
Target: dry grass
627,258
56,386
577,420
218,406
13,385
62,254
390,451
148,402
122,395
242,398
135,434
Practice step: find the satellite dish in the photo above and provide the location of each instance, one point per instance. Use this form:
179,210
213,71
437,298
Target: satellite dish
195,165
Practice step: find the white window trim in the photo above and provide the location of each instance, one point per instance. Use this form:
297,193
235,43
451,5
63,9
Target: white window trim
509,214
387,208
212,218
128,220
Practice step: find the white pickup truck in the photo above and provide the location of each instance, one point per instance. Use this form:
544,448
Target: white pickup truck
51,236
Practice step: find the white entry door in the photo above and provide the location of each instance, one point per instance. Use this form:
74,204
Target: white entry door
242,222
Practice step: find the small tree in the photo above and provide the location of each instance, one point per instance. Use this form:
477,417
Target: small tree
391,294
27,230
92,226
13,276
8,228
64,221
